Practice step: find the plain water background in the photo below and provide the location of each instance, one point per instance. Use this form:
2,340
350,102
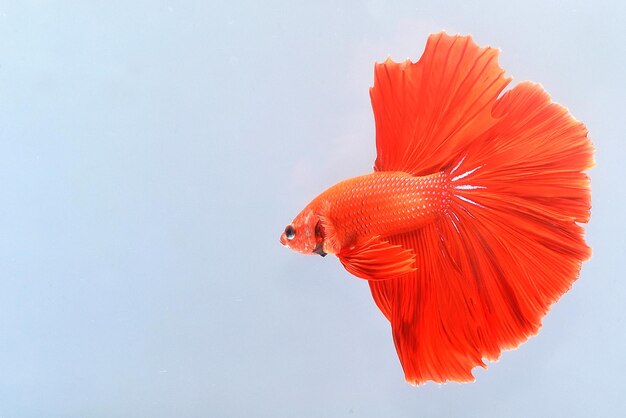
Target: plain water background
152,151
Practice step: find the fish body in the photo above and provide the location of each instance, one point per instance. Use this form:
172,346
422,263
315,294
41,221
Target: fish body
376,204
469,228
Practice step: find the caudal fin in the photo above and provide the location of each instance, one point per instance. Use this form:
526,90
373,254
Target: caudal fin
510,243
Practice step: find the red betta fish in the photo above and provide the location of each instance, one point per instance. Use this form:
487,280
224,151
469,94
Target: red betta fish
469,227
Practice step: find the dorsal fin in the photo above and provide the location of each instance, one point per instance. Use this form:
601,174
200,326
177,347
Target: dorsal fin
426,111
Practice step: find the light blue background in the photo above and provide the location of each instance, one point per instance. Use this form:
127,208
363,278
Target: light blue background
152,151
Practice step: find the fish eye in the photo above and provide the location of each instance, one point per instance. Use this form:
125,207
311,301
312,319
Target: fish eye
290,232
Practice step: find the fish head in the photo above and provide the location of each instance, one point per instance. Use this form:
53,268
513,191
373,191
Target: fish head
304,234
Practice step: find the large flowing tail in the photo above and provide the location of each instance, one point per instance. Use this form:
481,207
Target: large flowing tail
510,243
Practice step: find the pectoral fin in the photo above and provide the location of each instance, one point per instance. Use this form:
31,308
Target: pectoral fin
376,259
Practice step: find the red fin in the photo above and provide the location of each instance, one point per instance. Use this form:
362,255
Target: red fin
376,259
431,310
508,246
425,111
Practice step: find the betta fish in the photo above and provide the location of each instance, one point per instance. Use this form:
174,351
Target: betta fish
469,228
